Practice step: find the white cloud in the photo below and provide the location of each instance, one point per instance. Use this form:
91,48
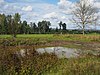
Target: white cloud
67,12
27,8
39,11
52,15
34,15
97,4
63,4
1,1
63,17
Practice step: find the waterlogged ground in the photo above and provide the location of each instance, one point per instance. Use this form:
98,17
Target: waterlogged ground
62,52
50,55
57,60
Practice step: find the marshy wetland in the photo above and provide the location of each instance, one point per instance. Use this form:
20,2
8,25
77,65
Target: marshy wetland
49,37
50,54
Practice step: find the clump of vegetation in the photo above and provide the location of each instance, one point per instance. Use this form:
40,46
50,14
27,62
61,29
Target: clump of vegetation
81,66
34,63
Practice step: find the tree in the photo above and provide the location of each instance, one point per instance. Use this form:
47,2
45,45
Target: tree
96,22
48,24
3,24
13,24
39,27
84,14
64,26
28,29
24,27
33,27
9,19
44,26
56,29
60,25
16,24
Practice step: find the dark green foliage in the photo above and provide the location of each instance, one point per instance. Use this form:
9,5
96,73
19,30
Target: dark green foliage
62,27
43,26
15,24
3,24
11,24
34,28
23,29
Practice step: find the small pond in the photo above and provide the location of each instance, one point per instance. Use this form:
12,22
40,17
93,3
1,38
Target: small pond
63,52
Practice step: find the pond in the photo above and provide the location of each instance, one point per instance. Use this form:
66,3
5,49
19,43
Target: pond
63,52
60,51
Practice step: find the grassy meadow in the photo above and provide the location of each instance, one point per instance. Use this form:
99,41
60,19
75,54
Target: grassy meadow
31,39
48,64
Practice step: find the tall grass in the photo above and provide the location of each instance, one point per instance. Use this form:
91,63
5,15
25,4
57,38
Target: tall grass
45,64
34,63
31,64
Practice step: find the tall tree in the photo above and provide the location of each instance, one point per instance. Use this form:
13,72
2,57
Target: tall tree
9,21
16,24
48,26
3,24
64,26
39,27
60,25
24,27
33,27
44,26
84,14
56,29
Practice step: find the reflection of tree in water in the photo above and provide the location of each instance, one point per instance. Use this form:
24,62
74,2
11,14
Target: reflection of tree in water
63,53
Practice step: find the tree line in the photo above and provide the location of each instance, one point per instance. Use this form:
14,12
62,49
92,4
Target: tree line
84,15
12,24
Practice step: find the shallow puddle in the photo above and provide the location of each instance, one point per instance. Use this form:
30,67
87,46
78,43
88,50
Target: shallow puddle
60,51
63,52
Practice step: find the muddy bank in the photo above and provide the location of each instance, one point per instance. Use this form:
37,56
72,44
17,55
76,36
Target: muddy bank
69,44
75,44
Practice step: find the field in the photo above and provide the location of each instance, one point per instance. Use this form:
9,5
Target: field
48,64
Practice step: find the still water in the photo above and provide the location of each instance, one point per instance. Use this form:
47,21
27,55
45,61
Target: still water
60,51
63,52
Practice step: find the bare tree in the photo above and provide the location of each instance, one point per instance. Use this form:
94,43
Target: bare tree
84,14
96,23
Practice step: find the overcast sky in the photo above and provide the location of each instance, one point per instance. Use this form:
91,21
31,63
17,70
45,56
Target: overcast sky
37,10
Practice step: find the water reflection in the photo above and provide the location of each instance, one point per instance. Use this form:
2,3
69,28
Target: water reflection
61,52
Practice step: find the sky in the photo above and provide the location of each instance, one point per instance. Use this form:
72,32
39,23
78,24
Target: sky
38,10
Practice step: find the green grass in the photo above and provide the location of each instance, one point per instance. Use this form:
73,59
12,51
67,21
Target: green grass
33,39
46,38
27,35
5,36
88,65
57,36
